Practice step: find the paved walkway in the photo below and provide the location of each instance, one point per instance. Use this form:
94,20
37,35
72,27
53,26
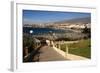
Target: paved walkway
55,54
49,54
76,57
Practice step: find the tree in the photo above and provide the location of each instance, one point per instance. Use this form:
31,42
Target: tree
87,31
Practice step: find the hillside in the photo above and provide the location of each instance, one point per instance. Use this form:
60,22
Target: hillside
73,21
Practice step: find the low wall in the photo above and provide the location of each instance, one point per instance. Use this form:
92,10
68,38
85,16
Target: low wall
69,56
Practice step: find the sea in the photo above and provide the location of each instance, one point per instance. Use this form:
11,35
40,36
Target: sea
37,31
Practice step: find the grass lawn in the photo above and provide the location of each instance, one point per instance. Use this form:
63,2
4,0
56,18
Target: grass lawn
82,48
63,47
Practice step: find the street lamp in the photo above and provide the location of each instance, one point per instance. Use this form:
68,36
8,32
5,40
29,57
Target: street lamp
31,31
52,38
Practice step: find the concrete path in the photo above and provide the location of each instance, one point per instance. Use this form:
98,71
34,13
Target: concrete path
55,54
49,54
76,57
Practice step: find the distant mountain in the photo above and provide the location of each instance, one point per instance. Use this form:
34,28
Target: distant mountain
73,21
68,23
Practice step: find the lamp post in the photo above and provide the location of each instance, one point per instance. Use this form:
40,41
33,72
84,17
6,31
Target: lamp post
31,32
52,38
50,32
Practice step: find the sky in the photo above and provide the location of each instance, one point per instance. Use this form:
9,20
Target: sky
34,16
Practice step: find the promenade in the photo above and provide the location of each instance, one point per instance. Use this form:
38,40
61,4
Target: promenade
54,54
